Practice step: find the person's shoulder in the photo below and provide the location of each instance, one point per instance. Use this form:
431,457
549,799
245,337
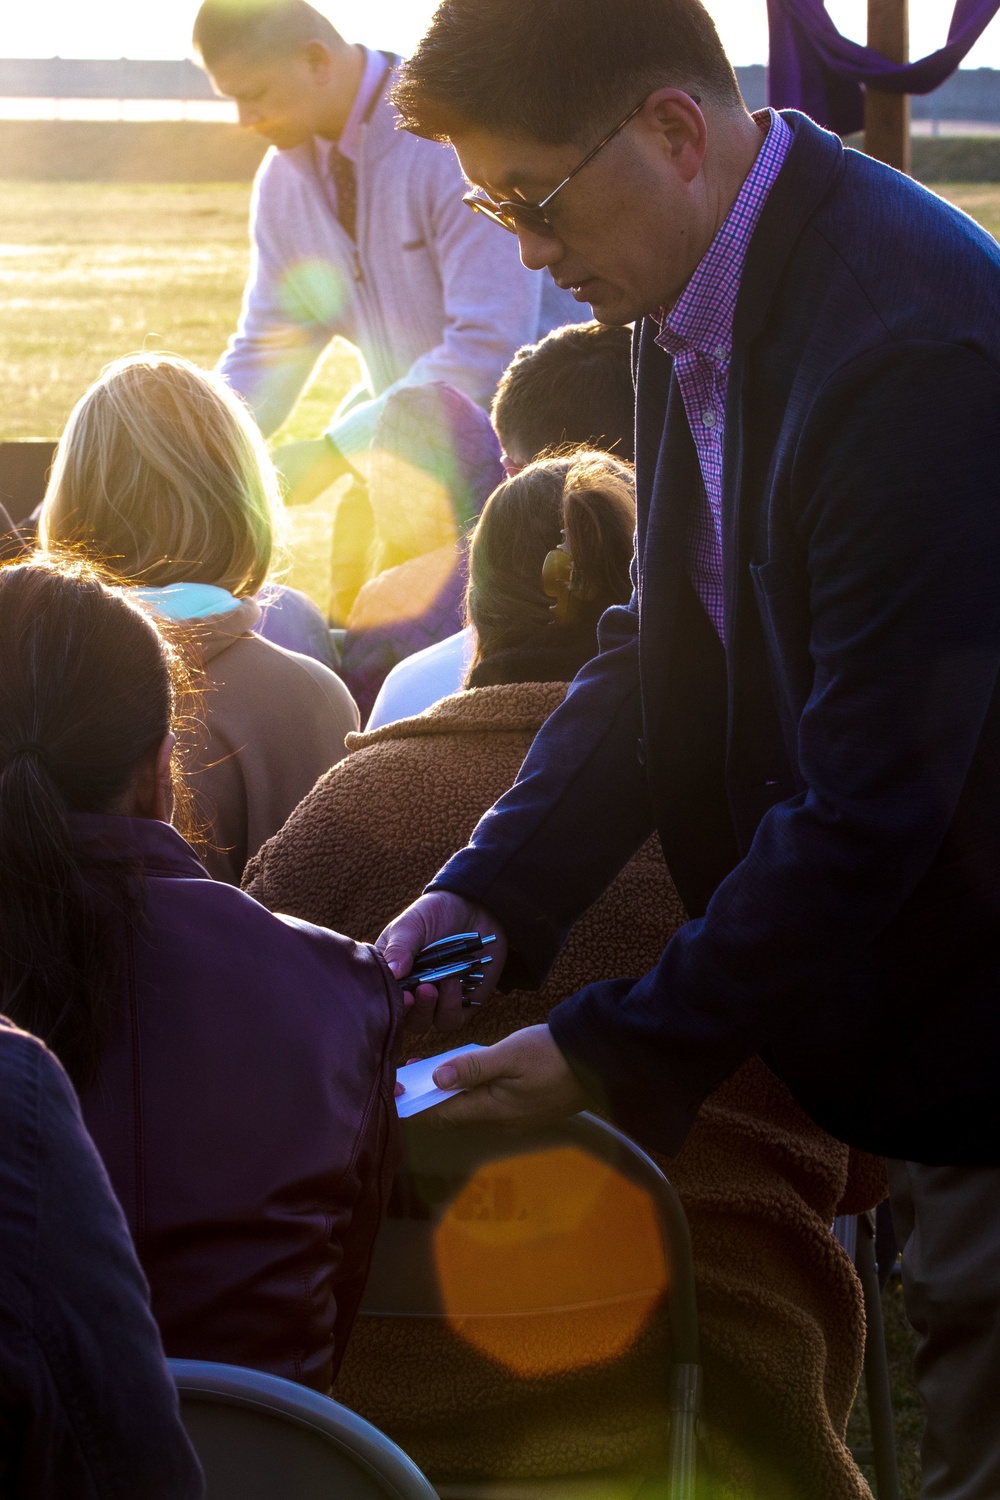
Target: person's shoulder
279,168
322,679
286,947
927,268
279,667
421,680
26,1066
291,967
24,1061
39,1112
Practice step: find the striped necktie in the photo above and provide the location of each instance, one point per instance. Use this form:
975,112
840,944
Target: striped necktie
346,184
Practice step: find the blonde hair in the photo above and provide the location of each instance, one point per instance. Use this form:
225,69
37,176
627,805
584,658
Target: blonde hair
164,476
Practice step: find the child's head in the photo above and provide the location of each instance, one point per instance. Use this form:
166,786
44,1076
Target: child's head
88,699
550,554
163,475
572,389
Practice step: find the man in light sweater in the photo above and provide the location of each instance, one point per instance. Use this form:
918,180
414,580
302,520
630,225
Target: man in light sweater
359,230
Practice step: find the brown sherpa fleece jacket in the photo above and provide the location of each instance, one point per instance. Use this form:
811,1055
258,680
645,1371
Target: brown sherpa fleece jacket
781,1313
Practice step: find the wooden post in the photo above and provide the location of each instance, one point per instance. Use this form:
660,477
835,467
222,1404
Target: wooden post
887,116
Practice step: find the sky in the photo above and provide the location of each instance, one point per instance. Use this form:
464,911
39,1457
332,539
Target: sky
161,28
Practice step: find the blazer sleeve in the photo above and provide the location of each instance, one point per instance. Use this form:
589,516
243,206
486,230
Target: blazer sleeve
894,501
578,811
281,333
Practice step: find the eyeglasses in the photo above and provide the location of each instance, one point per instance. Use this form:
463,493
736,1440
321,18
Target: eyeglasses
513,213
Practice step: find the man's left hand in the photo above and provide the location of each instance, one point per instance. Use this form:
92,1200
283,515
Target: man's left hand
523,1080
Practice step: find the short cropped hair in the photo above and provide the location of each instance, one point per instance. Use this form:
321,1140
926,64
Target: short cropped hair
163,477
557,70
257,28
572,388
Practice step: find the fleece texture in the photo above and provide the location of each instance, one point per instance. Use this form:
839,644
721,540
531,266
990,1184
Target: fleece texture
781,1310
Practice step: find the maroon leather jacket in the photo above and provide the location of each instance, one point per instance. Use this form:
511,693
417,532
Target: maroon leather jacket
244,1110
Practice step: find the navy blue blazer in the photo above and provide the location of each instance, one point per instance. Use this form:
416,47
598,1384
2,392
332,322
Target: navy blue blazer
88,1409
827,790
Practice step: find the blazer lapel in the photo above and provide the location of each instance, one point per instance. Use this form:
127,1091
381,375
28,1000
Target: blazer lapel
681,661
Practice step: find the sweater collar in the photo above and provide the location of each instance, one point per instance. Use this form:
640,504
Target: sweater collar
156,846
366,101
512,707
374,136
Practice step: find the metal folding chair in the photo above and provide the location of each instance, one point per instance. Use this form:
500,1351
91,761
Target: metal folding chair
438,1166
857,1235
262,1438
24,472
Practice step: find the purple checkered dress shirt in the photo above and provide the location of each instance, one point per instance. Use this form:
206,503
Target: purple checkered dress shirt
698,332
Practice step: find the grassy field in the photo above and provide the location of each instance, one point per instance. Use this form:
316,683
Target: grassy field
90,271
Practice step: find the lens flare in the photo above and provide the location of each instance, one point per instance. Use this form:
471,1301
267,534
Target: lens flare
314,291
549,1262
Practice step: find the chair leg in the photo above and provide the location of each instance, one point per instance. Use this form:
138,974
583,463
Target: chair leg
685,1404
877,1365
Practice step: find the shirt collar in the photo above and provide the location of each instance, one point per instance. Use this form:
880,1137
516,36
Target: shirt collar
349,144
159,848
702,318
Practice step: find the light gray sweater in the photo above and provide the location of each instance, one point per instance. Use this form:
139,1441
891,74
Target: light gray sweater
431,291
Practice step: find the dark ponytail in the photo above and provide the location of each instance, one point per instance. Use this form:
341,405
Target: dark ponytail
584,502
87,689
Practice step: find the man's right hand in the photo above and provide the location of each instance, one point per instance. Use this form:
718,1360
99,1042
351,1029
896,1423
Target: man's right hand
437,915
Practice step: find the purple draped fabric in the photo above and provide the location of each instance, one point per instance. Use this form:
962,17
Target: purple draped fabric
815,69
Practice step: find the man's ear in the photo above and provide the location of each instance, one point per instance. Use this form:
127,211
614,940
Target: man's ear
679,122
318,60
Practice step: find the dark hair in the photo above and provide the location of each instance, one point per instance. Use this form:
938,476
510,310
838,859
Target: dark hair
557,70
573,387
586,500
257,28
87,687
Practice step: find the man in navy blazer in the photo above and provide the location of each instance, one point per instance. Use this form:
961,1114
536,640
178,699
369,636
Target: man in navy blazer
817,739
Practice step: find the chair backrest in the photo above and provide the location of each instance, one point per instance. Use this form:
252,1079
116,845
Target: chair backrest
488,1225
545,1251
259,1437
24,472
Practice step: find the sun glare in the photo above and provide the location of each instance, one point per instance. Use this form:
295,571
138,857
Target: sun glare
121,28
549,1262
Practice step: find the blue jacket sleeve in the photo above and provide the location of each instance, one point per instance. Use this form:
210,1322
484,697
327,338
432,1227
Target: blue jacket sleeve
895,544
578,811
89,1407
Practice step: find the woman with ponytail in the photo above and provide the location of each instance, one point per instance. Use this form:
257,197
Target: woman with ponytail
781,1316
235,1069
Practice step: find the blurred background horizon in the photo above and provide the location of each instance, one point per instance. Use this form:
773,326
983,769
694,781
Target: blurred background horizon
125,28
125,195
